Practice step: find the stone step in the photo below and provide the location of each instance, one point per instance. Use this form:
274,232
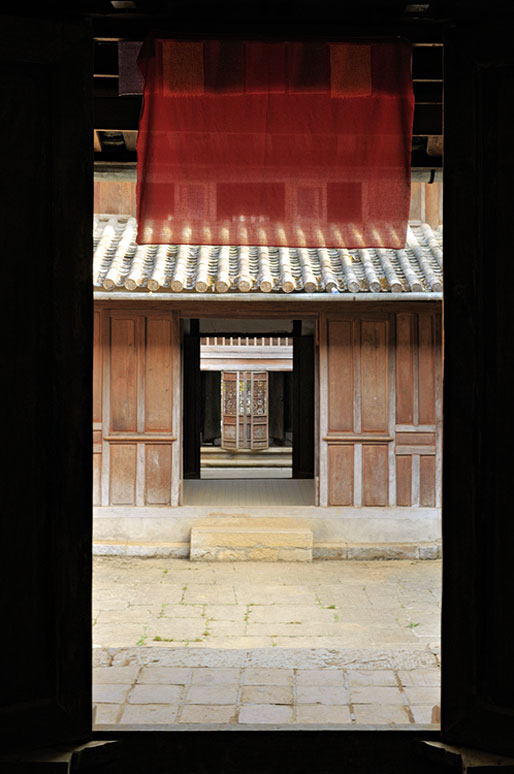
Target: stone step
221,458
252,452
244,473
230,462
250,539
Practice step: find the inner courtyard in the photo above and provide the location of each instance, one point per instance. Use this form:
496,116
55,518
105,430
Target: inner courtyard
260,644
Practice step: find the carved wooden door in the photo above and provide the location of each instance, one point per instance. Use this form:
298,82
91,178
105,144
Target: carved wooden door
244,410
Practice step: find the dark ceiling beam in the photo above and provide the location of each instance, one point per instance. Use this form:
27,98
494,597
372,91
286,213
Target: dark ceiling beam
136,27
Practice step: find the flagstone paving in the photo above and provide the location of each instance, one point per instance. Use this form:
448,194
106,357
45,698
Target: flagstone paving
249,645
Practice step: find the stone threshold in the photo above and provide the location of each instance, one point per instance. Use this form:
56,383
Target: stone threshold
152,727
414,657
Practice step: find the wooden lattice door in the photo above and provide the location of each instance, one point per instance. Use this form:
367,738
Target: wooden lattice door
244,410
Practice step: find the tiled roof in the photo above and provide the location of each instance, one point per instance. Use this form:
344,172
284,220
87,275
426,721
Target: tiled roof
120,264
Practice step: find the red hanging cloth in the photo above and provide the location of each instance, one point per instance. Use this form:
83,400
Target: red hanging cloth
295,144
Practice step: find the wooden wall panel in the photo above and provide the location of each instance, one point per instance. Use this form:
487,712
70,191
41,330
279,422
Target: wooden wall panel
123,363
115,197
97,366
358,405
373,376
415,439
340,474
375,474
404,480
340,376
426,203
97,478
123,473
433,204
426,369
141,410
157,474
427,470
404,369
417,409
158,376
415,212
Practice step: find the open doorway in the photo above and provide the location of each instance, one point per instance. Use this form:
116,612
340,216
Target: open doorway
249,412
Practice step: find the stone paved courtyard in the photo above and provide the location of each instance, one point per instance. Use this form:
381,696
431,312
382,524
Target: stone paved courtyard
179,644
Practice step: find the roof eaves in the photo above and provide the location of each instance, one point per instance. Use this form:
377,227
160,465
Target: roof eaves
121,295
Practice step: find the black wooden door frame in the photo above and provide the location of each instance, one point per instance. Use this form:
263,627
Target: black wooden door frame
478,529
47,504
478,373
191,398
305,395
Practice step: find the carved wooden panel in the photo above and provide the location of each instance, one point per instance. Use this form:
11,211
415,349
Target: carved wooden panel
244,413
259,410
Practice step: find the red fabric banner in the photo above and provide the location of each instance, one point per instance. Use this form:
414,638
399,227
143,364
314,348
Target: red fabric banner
294,144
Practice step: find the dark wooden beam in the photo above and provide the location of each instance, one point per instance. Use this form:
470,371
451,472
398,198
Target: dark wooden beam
137,27
117,113
428,92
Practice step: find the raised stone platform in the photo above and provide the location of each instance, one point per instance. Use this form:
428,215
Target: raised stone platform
339,533
251,539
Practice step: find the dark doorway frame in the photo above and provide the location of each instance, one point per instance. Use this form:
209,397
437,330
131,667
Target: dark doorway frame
304,393
479,379
191,396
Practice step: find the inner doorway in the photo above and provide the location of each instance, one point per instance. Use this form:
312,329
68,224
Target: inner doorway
249,412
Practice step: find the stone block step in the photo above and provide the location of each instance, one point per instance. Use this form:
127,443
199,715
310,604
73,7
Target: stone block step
250,539
277,456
